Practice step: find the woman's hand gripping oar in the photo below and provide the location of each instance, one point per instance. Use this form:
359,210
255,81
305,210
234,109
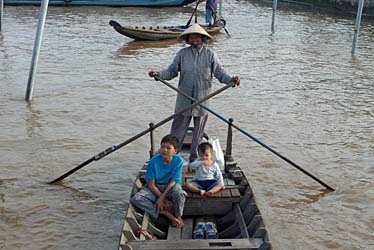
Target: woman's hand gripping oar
116,147
247,134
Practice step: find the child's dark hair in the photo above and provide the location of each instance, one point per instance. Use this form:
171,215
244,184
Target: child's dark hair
203,147
173,140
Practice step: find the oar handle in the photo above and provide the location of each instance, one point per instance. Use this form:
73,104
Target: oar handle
246,133
116,147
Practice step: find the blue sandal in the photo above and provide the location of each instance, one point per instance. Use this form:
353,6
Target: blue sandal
198,233
210,230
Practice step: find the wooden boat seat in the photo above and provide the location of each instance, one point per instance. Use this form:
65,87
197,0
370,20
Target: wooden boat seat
220,204
181,233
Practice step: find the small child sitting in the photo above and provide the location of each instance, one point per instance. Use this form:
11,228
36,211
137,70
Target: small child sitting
208,177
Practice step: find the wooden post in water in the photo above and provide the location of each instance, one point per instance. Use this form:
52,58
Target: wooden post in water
151,134
220,9
275,3
357,25
1,14
36,50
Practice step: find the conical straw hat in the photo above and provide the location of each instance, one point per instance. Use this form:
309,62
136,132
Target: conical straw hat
194,29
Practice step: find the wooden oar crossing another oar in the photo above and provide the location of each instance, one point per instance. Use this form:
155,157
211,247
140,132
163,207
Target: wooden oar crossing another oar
116,147
246,133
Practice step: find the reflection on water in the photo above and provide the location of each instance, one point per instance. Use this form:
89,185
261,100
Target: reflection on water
134,47
33,126
302,93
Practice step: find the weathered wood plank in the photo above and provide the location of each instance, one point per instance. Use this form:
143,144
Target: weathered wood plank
235,192
187,229
174,233
133,223
225,244
217,194
249,212
260,232
254,224
225,193
247,198
241,221
230,232
208,206
230,182
128,233
235,187
144,225
138,184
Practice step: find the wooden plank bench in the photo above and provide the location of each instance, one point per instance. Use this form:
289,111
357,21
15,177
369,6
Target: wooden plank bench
231,190
219,204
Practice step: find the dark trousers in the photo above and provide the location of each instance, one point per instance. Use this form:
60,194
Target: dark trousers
180,126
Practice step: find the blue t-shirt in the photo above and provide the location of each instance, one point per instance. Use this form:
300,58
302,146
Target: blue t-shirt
163,173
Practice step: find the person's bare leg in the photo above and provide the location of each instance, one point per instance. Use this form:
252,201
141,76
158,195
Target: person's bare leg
215,189
173,220
193,188
180,222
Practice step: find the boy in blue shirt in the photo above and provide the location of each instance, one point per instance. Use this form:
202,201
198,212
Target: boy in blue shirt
163,193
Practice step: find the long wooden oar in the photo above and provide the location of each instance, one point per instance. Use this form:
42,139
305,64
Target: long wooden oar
189,20
116,147
247,134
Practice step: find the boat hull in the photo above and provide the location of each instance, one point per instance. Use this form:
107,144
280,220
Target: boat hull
141,3
233,210
156,32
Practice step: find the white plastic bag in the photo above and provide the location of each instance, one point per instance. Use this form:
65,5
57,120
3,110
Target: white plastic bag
217,152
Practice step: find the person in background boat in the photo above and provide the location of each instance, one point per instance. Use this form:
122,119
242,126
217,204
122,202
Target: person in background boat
197,65
210,12
208,176
163,193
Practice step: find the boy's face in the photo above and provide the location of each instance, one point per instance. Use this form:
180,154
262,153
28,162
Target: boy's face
205,156
167,150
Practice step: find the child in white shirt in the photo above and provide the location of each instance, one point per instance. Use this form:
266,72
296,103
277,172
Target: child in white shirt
208,176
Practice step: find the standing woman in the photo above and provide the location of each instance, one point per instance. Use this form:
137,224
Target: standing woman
197,65
210,12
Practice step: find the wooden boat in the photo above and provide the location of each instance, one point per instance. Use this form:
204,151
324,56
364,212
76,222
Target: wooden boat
142,3
233,210
157,32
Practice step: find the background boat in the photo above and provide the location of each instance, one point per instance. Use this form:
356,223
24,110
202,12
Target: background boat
158,32
144,3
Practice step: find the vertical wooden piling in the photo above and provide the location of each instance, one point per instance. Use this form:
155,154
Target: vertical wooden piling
220,9
36,50
151,134
1,14
275,3
357,25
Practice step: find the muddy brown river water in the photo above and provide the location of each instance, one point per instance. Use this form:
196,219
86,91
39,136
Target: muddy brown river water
302,93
